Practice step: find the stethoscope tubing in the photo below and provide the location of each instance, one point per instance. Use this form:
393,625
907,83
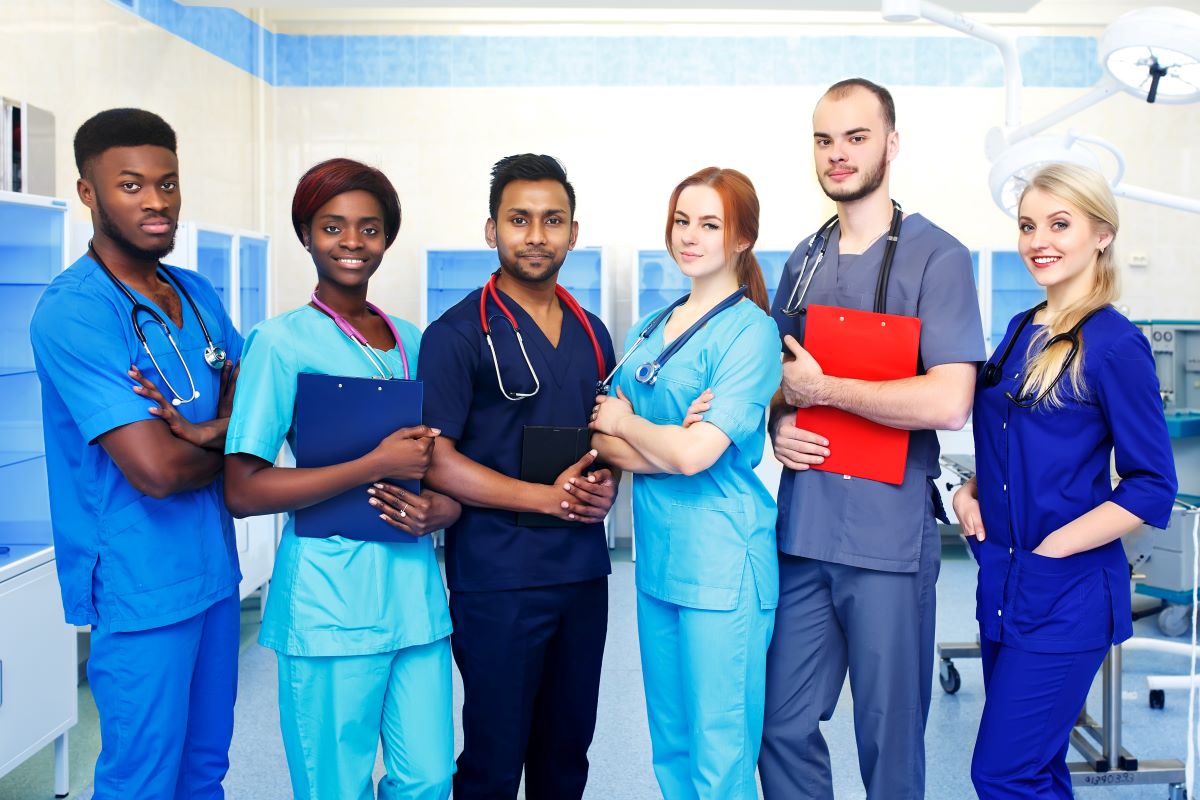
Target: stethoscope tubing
353,334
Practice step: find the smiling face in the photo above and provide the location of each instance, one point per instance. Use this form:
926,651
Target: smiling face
698,232
133,193
1059,244
346,239
852,145
533,230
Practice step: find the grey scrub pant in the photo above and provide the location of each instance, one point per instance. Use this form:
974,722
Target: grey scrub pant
879,626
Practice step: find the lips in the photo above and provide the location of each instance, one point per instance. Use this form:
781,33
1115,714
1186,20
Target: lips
1041,262
839,174
533,254
157,227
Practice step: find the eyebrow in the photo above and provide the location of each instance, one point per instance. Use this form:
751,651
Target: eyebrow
527,213
134,174
851,132
340,218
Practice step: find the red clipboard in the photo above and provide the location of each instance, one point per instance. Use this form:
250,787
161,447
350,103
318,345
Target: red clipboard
871,347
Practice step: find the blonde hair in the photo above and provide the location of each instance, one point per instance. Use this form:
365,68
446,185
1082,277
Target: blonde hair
1088,191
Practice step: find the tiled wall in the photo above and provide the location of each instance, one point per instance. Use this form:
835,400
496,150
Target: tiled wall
475,61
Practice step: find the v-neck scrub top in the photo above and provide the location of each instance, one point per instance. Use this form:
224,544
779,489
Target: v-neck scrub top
130,560
334,596
486,550
1040,468
697,534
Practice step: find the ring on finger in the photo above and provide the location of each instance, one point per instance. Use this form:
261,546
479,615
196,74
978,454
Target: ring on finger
403,512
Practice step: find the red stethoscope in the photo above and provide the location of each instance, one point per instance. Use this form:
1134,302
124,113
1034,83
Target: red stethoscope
489,290
352,333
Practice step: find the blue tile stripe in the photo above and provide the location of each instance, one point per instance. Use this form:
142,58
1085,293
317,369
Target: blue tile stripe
487,61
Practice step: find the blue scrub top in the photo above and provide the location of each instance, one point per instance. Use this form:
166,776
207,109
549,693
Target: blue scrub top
697,534
124,558
1040,468
334,596
856,521
486,550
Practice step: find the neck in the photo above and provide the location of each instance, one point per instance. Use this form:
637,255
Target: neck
708,290
533,297
1067,293
135,271
347,301
863,219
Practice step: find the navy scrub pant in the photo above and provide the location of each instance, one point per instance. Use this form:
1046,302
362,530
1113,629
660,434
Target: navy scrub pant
165,699
530,665
879,626
1033,700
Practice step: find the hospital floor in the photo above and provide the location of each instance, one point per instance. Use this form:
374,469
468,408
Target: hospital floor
620,753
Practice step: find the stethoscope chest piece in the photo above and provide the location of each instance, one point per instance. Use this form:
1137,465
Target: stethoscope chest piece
647,373
214,356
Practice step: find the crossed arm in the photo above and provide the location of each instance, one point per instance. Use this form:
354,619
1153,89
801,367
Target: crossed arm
638,445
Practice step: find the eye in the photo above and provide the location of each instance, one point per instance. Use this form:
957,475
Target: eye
1060,225
681,222
331,229
554,221
370,231
822,142
859,139
712,226
130,186
168,186
518,220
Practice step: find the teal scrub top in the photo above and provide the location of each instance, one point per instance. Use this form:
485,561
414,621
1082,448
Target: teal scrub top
697,534
335,596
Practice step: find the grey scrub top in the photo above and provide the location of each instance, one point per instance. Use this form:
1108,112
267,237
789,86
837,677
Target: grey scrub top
856,521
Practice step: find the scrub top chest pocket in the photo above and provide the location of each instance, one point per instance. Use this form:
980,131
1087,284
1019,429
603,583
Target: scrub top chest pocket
678,384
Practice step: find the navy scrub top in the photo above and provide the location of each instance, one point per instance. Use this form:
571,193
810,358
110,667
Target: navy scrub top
486,550
856,521
1040,468
127,560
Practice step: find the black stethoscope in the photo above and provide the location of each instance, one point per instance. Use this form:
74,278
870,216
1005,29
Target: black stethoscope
993,372
490,290
820,240
213,356
648,373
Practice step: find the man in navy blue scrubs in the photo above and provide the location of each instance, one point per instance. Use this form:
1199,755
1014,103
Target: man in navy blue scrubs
143,542
529,604
859,559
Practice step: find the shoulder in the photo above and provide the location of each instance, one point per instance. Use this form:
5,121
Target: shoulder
932,240
194,282
70,294
1113,334
462,315
283,329
598,325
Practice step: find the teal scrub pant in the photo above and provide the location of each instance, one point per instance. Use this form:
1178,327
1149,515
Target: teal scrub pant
333,711
704,674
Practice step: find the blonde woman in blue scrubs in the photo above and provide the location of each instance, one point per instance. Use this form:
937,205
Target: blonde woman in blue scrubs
360,628
707,574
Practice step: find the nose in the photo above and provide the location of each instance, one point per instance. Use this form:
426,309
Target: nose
535,233
687,235
350,240
155,200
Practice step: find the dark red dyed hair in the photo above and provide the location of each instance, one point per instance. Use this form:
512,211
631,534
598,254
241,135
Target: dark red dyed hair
327,180
740,202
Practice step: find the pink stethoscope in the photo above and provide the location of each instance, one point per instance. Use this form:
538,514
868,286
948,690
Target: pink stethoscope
489,290
355,336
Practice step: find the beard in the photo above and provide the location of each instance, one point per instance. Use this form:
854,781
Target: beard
872,179
513,266
109,228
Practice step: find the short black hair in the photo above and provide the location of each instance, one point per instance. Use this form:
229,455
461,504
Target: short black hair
527,167
886,103
120,127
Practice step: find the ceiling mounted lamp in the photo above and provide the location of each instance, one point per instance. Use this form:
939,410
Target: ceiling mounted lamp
1154,54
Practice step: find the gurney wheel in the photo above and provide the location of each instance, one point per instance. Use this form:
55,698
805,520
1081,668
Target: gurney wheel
1158,698
949,678
1175,620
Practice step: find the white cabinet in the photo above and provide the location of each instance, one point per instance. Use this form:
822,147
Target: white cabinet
38,695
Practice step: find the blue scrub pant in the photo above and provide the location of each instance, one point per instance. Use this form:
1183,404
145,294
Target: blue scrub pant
334,710
703,675
530,666
879,626
165,700
1033,700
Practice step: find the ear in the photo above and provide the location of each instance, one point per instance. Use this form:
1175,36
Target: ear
489,233
306,236
893,145
1104,240
574,235
742,246
86,192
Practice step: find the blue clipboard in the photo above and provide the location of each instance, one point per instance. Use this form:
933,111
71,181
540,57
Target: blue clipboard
339,419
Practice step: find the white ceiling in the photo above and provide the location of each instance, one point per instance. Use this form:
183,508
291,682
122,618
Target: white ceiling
351,16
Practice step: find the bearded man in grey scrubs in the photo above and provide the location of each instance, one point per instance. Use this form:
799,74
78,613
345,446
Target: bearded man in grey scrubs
859,558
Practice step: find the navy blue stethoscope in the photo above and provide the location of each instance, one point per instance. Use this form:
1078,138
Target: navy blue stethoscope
993,371
819,241
213,356
647,373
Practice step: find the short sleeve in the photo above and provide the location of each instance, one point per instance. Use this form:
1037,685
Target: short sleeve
265,398
951,330
447,369
745,380
1127,391
82,349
